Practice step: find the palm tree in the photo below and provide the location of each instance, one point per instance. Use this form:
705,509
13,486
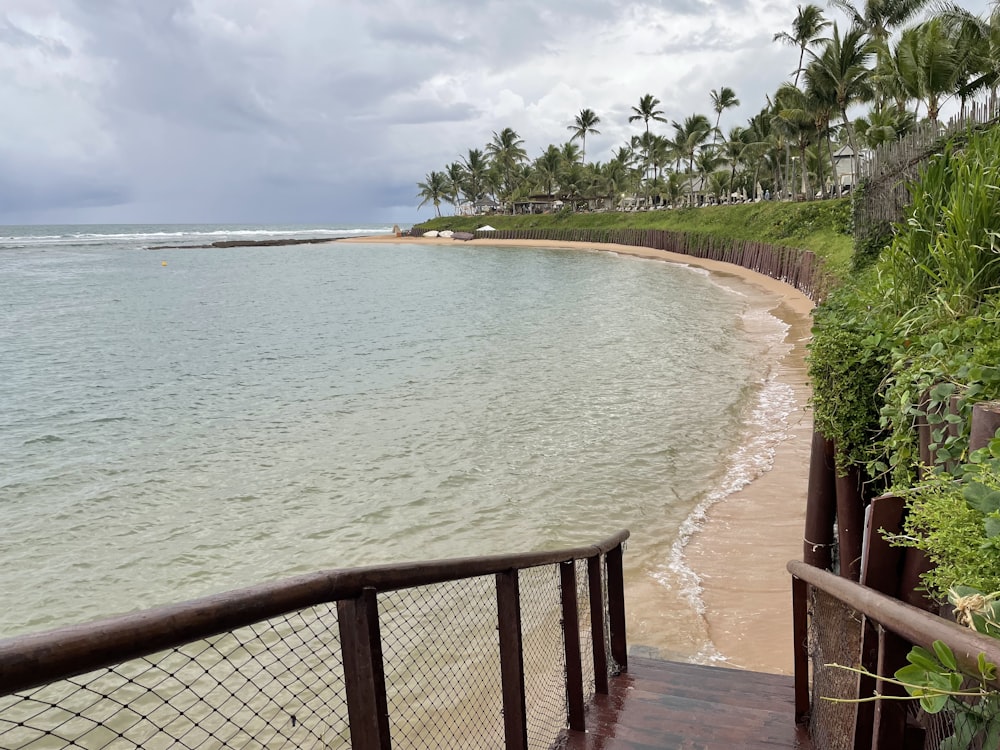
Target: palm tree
796,119
735,149
455,173
931,61
689,137
547,168
570,153
878,18
647,110
723,99
883,126
982,34
842,68
433,189
821,102
506,153
585,122
474,184
806,28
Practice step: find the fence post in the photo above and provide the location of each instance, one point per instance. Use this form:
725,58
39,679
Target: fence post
800,654
597,637
821,504
616,607
571,645
515,715
985,422
364,677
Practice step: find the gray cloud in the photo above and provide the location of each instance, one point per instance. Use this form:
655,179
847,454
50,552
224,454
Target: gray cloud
266,110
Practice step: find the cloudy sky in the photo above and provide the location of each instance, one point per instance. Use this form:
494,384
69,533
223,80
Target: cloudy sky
331,110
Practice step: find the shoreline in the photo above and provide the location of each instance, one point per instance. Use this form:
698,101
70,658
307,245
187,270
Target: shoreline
757,527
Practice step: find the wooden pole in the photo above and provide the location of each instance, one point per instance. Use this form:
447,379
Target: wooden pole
571,646
364,677
850,523
515,715
821,504
985,423
595,583
616,607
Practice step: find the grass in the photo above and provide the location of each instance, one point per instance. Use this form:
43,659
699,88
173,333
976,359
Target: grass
824,227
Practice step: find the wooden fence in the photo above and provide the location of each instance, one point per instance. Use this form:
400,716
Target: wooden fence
801,269
887,170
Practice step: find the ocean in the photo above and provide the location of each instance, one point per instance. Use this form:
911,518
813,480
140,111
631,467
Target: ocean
178,422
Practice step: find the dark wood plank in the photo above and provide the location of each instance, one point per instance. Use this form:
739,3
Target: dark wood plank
515,716
668,705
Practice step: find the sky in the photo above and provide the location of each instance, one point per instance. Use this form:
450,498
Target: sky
330,111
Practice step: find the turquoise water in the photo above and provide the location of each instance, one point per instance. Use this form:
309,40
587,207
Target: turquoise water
179,422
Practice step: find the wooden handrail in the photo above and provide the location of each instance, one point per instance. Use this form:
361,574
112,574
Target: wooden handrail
915,625
28,661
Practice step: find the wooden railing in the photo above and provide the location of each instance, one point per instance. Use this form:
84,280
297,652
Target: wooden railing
888,628
239,627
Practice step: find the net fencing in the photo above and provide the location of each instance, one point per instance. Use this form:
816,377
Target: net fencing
280,682
275,683
835,638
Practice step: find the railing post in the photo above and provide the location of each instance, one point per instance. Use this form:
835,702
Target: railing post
364,676
800,647
515,715
597,635
616,607
571,645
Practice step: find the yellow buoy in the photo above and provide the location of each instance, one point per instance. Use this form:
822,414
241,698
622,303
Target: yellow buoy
163,263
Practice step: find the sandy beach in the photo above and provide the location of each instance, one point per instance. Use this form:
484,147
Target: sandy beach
744,540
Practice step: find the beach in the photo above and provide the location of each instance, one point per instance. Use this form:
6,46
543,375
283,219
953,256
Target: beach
740,543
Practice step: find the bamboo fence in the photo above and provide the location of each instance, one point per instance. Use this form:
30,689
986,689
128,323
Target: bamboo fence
888,169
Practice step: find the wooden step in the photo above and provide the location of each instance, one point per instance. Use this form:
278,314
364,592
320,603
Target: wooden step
666,705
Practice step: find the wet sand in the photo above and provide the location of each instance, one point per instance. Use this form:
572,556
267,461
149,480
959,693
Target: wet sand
740,550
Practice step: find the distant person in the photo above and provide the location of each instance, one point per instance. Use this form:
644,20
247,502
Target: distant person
767,195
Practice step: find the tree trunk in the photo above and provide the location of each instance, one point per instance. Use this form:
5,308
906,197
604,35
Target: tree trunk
805,172
833,164
854,148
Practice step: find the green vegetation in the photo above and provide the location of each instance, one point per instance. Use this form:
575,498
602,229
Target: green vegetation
821,226
938,683
903,69
957,523
912,340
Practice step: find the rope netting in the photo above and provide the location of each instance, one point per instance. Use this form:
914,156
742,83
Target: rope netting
442,665
280,682
835,638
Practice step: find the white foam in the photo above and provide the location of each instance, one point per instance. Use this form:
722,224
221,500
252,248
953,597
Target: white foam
765,428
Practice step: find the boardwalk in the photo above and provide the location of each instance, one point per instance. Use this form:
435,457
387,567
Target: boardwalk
666,705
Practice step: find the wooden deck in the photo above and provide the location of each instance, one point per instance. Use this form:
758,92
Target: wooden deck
666,705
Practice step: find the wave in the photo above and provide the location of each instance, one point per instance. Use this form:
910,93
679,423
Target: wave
133,235
764,429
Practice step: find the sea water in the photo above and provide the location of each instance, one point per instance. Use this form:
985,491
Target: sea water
180,422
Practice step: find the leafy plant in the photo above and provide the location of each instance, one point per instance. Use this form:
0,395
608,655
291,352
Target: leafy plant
954,367
848,361
957,523
936,681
